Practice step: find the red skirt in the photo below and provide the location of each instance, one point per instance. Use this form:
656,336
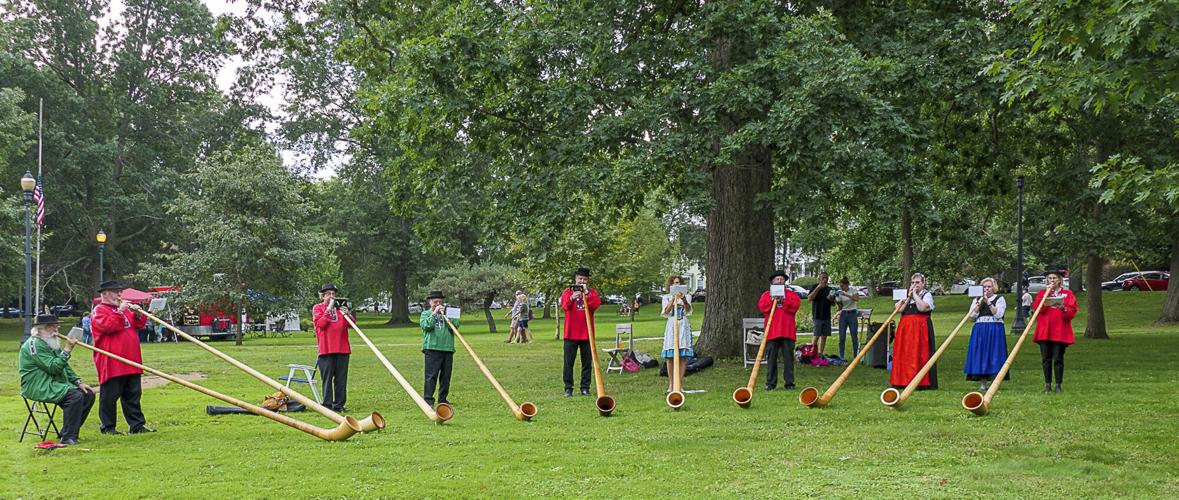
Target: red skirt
911,350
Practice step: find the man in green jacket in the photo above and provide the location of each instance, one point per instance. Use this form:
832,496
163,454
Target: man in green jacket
46,376
438,347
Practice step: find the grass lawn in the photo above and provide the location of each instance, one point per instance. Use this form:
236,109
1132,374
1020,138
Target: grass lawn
1111,433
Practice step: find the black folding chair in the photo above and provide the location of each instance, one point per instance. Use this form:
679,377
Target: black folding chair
49,410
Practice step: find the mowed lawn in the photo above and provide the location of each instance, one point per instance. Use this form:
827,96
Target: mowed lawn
1113,432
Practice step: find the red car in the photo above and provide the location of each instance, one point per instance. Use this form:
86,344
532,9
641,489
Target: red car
1157,280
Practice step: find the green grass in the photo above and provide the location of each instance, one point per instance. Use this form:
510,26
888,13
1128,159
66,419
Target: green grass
1112,433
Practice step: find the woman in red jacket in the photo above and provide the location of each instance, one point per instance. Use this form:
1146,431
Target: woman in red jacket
331,332
780,339
1054,327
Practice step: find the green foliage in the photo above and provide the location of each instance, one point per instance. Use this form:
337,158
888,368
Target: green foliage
474,285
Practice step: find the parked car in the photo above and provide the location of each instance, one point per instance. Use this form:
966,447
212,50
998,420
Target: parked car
1115,285
962,286
415,308
615,299
64,310
1149,280
864,291
698,295
886,288
802,292
1036,283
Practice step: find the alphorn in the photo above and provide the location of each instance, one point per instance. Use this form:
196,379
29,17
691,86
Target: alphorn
374,422
810,396
443,413
895,399
743,396
345,430
675,398
526,410
605,403
978,403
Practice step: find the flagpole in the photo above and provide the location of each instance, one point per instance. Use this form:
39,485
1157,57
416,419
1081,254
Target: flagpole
40,129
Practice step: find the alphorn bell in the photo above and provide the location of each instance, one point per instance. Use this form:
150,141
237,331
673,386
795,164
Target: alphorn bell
810,396
743,396
675,398
526,410
443,413
978,403
345,430
374,422
605,403
893,398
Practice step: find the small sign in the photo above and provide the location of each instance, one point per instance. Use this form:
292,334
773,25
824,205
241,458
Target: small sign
777,290
975,291
157,304
75,333
679,289
1055,300
453,312
899,294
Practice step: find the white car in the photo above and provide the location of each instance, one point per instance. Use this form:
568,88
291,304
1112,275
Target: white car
415,308
1037,283
962,286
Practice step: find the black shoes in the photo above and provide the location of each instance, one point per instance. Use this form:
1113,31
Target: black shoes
142,430
1058,389
69,442
585,392
568,393
1047,387
788,386
112,431
769,387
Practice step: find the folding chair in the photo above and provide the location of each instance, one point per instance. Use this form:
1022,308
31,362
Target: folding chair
307,378
49,410
752,329
621,350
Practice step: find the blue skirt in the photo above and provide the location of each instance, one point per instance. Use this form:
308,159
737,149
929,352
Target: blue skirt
987,351
685,352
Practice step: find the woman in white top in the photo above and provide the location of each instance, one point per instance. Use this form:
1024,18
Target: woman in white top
677,307
987,350
914,339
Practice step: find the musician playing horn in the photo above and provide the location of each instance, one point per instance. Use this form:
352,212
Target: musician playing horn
914,341
1054,327
331,335
676,305
116,330
437,347
780,340
46,376
987,350
578,301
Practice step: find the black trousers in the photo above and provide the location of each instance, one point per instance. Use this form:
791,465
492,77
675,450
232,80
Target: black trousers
75,407
783,347
1052,356
333,369
438,368
124,391
571,349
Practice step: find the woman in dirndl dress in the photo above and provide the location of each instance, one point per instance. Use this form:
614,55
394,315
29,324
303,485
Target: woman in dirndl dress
914,342
677,306
987,350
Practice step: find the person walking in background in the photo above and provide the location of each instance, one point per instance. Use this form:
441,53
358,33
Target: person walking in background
524,315
677,307
514,314
849,316
821,303
783,332
987,350
87,335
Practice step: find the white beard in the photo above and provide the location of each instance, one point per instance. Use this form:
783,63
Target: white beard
54,342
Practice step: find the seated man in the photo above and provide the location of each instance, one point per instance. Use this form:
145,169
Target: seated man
46,376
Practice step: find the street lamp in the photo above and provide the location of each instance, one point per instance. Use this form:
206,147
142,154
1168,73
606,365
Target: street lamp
1019,324
27,184
101,239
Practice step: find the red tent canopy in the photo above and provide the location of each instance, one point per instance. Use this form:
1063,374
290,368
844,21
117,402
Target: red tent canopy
130,295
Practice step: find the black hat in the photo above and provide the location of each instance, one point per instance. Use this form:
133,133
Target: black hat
1057,272
46,319
781,273
436,294
582,271
327,287
111,285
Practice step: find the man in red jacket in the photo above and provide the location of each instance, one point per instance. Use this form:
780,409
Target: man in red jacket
783,332
331,332
578,300
115,327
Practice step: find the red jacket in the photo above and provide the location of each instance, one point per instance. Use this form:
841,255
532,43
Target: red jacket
575,314
332,334
1053,324
784,326
117,333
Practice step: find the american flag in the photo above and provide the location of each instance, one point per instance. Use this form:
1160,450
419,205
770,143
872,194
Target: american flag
39,199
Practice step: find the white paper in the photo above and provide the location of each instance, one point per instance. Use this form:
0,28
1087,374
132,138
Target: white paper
453,312
777,290
75,333
157,304
975,291
1055,300
899,293
679,289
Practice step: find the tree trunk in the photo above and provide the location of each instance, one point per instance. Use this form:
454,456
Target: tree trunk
740,241
487,312
240,331
548,305
1171,302
1077,275
399,302
1095,313
907,247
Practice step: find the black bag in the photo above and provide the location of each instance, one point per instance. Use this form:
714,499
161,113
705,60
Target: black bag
698,364
878,355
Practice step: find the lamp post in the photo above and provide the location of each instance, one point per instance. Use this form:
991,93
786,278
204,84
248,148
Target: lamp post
27,184
101,239
1019,324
